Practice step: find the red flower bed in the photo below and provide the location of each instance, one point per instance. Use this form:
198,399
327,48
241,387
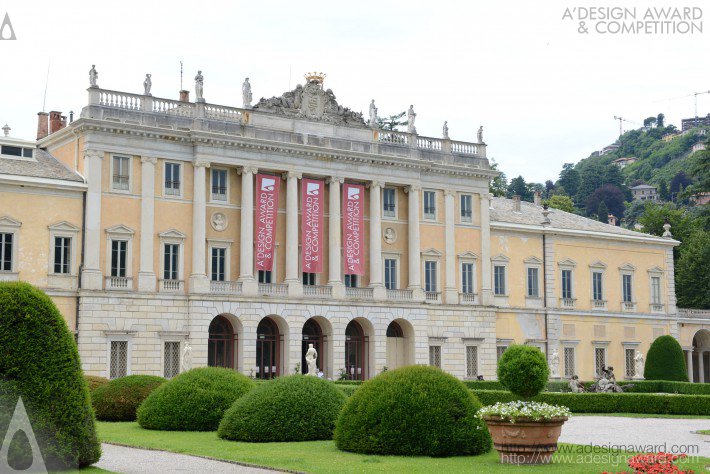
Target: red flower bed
656,463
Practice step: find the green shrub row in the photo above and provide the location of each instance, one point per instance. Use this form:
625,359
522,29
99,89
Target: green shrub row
119,399
656,404
639,386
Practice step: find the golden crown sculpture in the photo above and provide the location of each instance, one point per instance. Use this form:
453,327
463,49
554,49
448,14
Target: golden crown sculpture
319,77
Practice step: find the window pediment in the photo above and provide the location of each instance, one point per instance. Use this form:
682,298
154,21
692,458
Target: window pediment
627,267
172,234
598,265
431,252
63,226
120,229
9,222
567,262
500,258
468,255
655,269
532,260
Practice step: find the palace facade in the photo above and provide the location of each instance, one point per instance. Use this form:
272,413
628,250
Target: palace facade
175,234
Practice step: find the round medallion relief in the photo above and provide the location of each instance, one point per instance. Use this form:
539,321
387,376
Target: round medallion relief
218,221
389,235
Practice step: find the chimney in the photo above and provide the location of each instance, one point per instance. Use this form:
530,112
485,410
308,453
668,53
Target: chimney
516,203
611,219
42,125
184,96
55,121
63,122
538,198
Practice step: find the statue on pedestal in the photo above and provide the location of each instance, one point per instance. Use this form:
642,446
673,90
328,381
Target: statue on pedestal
199,87
373,114
446,130
575,385
480,134
186,357
246,93
638,365
93,76
555,364
311,357
411,117
147,84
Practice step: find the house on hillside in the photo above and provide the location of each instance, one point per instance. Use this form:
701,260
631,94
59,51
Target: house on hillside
687,124
624,162
609,148
645,192
670,136
700,146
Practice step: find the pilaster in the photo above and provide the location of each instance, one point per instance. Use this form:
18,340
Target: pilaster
198,279
91,278
246,245
451,294
146,273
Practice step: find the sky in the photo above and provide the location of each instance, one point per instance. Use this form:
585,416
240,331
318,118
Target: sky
545,93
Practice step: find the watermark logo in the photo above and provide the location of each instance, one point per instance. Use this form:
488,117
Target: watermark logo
635,21
21,422
7,32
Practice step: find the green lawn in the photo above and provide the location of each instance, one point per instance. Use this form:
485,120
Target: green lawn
323,457
705,432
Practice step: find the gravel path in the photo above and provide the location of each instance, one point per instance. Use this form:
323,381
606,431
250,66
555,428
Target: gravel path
674,435
134,460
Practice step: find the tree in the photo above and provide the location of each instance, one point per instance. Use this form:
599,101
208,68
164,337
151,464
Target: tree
519,187
591,179
649,122
665,361
549,188
563,203
392,122
660,120
663,190
569,179
498,185
610,195
679,182
693,271
603,213
634,210
701,171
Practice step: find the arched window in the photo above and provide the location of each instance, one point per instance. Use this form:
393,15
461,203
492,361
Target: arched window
222,343
394,330
268,350
355,352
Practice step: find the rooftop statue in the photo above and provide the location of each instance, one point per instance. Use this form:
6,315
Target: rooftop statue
199,87
147,84
411,117
480,134
446,130
93,76
246,93
373,114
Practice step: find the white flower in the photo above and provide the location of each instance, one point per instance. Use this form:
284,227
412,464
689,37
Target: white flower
520,409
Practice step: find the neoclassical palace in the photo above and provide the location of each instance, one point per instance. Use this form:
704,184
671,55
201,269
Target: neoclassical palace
175,234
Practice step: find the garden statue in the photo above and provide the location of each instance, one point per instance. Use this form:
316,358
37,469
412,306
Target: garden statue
187,357
446,130
199,87
480,134
555,364
246,93
93,76
607,383
575,385
638,362
411,117
311,357
147,84
373,114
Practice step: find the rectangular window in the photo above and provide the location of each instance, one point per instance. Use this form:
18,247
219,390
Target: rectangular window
630,362
597,293
499,280
119,250
121,176
118,364
626,285
309,278
567,284
219,185
467,278
533,282
466,208
171,261
389,204
499,351
429,205
171,359
172,179
656,290
471,362
264,276
599,360
219,261
351,281
435,356
391,273
62,255
430,276
6,252
569,361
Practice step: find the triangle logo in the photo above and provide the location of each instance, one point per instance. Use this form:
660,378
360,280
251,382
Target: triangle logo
21,422
7,24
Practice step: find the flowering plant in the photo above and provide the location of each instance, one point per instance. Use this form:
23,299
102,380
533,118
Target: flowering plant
656,463
520,409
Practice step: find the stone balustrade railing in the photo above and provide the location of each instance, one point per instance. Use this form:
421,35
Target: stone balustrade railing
694,313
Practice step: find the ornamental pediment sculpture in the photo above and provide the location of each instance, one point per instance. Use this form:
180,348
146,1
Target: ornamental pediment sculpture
312,102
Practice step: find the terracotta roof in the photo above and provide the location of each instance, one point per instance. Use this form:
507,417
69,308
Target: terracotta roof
43,165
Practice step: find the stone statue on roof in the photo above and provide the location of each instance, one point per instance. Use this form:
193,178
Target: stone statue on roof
93,76
199,87
411,117
147,84
246,93
373,114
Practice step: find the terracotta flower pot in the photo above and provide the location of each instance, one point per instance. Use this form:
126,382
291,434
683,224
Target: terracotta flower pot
526,441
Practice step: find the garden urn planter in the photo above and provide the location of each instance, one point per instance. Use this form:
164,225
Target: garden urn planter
526,441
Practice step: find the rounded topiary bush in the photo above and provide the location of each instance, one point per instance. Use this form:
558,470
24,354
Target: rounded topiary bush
293,408
95,382
523,370
194,400
119,399
39,362
665,361
412,411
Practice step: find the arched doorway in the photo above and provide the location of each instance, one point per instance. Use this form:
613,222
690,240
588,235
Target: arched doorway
313,334
222,344
700,357
356,352
268,349
400,336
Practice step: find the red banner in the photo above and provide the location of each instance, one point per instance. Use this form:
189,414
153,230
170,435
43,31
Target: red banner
353,228
267,210
312,225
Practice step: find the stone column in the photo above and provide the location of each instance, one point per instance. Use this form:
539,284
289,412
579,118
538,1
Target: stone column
335,279
246,243
91,278
701,366
295,286
378,291
146,274
689,363
451,294
415,276
486,277
198,279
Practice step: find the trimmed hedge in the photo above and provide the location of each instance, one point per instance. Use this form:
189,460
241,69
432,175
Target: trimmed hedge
665,361
291,408
194,400
639,386
119,399
655,404
348,390
412,411
95,382
523,370
39,361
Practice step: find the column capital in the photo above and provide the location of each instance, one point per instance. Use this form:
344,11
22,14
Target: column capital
376,184
149,159
413,187
449,192
248,170
335,179
201,163
292,174
93,153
